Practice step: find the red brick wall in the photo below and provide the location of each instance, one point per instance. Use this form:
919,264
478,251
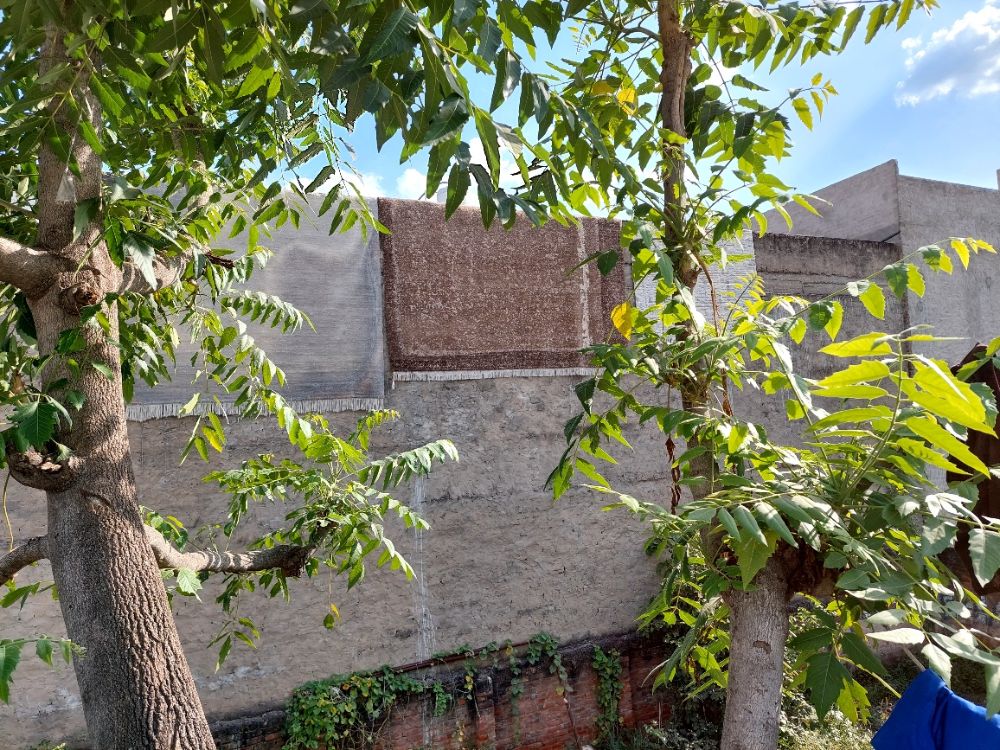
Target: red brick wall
542,717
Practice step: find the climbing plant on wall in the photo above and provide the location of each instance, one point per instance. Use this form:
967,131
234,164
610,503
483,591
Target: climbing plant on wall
352,711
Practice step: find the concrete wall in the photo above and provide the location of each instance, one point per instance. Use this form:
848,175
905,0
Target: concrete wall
500,561
864,206
880,204
815,268
818,267
531,710
963,304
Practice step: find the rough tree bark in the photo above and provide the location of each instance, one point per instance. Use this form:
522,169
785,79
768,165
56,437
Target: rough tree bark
759,619
135,684
289,559
758,631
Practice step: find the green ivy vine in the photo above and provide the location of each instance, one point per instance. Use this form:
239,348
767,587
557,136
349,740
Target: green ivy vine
349,711
608,666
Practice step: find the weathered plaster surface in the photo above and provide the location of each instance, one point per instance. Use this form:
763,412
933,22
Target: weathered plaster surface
501,561
880,204
864,206
815,268
963,304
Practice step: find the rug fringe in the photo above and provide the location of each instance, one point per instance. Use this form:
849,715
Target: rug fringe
538,372
147,412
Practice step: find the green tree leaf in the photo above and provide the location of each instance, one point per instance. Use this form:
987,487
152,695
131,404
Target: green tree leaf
901,636
188,582
390,38
854,648
10,655
939,661
825,678
984,547
36,422
751,557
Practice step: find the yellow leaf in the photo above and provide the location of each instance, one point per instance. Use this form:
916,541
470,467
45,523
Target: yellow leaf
798,330
915,280
929,429
852,391
918,450
961,250
626,98
863,372
602,88
833,327
801,107
213,438
623,317
868,345
873,299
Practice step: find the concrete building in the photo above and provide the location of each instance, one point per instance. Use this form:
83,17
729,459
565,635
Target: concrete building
883,213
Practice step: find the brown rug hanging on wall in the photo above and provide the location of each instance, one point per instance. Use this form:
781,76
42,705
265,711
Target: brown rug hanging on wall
461,298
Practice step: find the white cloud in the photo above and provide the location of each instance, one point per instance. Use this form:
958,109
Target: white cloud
510,175
411,184
720,73
369,184
962,59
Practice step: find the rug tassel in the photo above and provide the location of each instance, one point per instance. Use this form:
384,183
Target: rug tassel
436,375
147,412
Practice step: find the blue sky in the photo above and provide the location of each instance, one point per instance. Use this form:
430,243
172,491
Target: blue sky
928,96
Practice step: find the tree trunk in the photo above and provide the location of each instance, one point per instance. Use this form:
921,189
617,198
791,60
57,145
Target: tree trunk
758,631
135,684
758,619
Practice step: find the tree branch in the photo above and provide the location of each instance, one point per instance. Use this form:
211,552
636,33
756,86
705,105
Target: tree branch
164,272
32,271
641,30
31,551
41,472
290,559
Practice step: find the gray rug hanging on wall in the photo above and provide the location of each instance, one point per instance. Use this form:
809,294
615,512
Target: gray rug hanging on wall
336,280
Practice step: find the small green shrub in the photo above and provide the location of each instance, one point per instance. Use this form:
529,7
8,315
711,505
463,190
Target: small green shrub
801,730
